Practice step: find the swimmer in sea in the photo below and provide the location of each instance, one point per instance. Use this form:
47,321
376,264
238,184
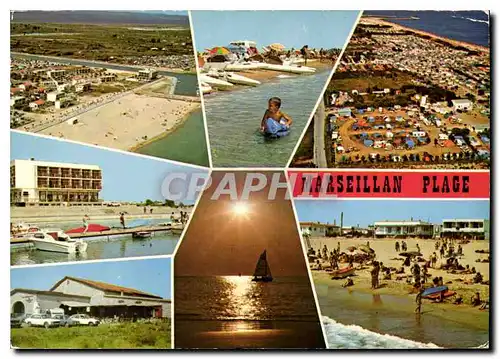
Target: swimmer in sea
273,113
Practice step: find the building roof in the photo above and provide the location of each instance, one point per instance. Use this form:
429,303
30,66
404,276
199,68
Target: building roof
46,292
401,223
461,101
106,287
317,224
464,220
57,164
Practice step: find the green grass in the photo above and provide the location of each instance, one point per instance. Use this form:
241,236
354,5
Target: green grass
107,336
99,42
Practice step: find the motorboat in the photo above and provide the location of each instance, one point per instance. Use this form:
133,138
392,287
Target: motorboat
58,234
206,88
245,66
233,78
142,234
214,82
46,242
289,67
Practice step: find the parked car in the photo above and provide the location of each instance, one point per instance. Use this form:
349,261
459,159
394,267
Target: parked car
42,320
83,319
17,320
65,320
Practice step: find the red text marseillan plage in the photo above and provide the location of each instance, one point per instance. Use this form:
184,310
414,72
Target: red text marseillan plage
387,184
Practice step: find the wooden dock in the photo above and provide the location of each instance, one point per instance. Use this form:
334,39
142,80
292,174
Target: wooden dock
114,232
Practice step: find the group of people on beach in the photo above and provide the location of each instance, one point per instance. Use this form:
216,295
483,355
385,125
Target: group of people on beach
419,277
183,219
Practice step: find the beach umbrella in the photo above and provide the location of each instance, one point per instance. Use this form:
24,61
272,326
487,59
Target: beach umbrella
366,249
277,47
218,50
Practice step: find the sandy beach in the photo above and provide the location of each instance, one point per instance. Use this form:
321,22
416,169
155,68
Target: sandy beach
379,21
394,300
125,122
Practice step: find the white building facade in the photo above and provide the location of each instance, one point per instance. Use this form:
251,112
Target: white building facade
98,299
40,182
470,228
403,229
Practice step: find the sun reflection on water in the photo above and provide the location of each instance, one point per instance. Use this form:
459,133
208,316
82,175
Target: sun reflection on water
242,297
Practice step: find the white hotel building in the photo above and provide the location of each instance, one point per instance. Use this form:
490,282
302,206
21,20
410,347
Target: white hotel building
403,229
470,228
53,183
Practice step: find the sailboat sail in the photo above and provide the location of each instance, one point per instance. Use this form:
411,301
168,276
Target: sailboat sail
262,268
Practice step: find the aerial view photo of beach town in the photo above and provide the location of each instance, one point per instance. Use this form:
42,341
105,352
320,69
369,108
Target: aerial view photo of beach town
404,274
288,58
412,90
74,202
125,80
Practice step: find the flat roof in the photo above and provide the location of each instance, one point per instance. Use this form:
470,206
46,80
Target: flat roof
58,164
402,223
464,220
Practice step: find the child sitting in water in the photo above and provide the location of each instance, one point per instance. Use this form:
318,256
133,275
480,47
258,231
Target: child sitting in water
274,120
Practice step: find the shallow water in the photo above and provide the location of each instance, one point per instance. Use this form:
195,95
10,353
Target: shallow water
355,320
233,120
186,144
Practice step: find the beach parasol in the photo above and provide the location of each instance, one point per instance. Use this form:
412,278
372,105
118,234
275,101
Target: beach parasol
277,47
366,249
218,50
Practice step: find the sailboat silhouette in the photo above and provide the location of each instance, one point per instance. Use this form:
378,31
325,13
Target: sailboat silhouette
262,271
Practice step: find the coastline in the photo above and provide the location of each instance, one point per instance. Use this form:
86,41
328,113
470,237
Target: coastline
381,21
164,134
390,309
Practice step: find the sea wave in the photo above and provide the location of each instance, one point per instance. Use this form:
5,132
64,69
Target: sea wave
471,19
340,336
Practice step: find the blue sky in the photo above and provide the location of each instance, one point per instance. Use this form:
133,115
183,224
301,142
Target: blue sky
317,29
125,177
366,212
148,275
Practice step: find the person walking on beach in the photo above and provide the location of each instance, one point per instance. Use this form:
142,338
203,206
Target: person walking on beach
416,273
397,246
418,301
436,246
122,220
424,274
86,220
418,248
151,211
433,259
305,53
374,274
441,251
144,209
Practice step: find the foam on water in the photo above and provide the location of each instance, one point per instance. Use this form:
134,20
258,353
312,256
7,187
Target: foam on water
340,336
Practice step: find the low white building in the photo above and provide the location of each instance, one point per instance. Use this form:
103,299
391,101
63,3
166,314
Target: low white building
404,229
317,229
98,299
53,96
459,228
461,104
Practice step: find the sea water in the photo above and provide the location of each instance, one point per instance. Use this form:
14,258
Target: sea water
186,144
468,26
234,118
161,243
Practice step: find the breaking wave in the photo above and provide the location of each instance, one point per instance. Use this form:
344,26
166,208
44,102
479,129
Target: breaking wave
340,336
471,19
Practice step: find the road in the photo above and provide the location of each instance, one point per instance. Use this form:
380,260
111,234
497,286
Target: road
92,63
319,137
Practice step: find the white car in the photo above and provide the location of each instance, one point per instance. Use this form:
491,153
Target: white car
83,319
42,320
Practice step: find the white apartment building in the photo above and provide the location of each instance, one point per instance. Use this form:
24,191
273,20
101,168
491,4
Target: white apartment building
53,183
404,229
470,228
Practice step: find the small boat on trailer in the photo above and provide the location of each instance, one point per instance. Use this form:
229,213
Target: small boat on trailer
262,271
342,273
142,234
